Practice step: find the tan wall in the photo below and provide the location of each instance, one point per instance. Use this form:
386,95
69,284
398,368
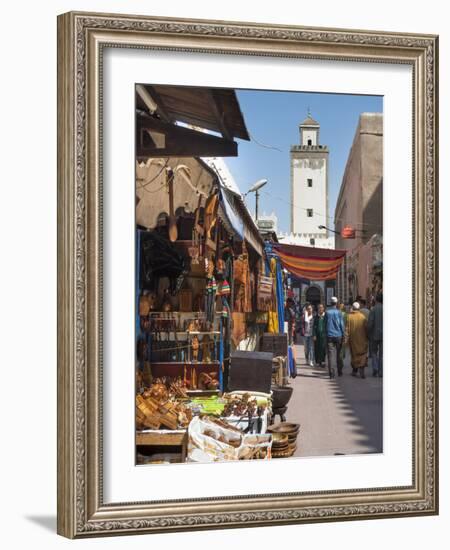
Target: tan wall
360,201
348,209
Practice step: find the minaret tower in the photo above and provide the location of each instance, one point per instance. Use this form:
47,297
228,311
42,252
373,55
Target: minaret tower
309,183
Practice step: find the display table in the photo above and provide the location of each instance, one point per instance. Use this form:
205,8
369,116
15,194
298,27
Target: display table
242,422
163,438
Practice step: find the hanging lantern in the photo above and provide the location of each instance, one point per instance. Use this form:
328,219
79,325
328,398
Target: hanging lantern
348,232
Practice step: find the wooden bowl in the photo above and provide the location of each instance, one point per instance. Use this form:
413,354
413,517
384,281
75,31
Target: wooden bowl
279,439
284,428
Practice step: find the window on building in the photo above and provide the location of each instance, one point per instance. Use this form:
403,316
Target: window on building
309,212
312,241
309,181
309,141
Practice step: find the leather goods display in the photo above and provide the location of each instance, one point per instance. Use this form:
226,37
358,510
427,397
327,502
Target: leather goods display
264,293
241,274
211,208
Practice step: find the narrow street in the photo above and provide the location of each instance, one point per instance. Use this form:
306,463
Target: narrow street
338,416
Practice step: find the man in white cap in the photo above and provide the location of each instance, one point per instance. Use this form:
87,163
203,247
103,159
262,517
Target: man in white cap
335,335
356,337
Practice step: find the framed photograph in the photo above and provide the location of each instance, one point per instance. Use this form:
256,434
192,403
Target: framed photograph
247,283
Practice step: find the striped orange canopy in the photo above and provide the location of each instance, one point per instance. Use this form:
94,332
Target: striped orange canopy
305,262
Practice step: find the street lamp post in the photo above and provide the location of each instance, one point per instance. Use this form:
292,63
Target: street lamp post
255,189
256,204
328,229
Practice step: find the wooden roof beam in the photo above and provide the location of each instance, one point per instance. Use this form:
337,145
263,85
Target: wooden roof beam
157,100
219,115
181,141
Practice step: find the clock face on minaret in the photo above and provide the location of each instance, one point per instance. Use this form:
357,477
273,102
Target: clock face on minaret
309,181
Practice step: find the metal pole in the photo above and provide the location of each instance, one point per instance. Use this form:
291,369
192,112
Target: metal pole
256,207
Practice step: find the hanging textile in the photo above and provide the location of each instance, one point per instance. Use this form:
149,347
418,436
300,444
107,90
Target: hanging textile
241,273
315,264
273,323
280,298
264,293
273,269
239,330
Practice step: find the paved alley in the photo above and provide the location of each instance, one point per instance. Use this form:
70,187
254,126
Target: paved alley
338,416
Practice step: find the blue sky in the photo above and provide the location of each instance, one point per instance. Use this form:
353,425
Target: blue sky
272,118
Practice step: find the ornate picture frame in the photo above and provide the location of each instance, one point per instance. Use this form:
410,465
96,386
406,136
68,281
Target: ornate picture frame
81,40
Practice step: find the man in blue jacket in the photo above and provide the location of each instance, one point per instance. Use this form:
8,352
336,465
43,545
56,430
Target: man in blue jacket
335,337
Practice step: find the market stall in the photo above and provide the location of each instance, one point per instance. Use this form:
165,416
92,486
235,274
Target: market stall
195,286
205,288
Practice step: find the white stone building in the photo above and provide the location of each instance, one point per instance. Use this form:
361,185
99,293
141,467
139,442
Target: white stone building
309,206
309,182
307,239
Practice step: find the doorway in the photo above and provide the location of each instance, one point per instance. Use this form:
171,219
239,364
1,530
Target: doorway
313,295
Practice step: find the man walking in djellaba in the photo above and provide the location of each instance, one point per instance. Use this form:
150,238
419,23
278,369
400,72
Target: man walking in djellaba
320,336
356,337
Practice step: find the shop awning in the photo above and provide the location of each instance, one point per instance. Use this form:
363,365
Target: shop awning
238,218
230,215
314,264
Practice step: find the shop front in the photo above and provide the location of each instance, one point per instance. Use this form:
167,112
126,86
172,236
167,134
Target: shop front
211,348
209,324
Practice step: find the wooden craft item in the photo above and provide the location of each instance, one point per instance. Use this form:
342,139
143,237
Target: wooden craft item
207,381
211,209
208,212
206,352
157,413
197,227
193,326
193,378
195,348
140,420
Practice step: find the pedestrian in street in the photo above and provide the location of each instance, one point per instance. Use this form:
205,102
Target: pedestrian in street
290,316
343,310
365,311
375,331
363,308
335,337
307,332
356,337
320,336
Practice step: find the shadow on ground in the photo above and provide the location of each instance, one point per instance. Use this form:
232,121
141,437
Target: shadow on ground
345,414
46,522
